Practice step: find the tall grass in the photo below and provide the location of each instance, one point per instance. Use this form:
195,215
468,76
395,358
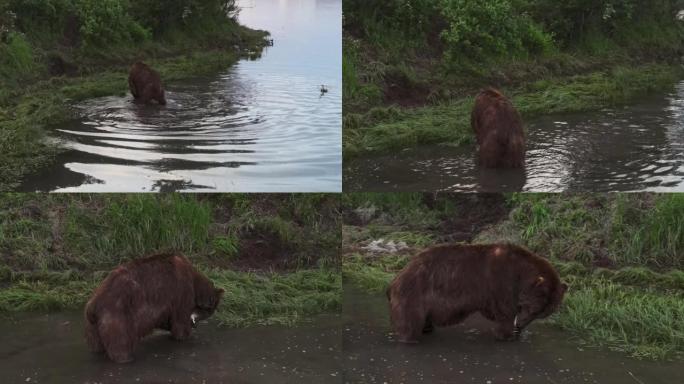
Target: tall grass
276,299
91,232
138,224
641,322
657,238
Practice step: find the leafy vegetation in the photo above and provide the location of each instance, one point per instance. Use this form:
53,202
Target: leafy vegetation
621,255
277,255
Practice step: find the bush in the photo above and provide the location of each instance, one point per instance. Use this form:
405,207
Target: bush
16,56
106,23
480,29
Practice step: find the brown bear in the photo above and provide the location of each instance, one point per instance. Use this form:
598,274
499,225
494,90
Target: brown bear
446,283
145,84
161,291
499,131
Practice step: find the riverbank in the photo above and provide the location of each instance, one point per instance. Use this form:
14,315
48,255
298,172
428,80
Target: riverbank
411,72
57,249
617,249
29,104
447,121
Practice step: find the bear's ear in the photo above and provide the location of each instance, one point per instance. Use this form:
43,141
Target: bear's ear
540,280
220,292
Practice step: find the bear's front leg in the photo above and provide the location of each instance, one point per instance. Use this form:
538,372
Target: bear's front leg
181,325
505,330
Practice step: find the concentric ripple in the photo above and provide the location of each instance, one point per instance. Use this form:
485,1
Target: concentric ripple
633,148
261,126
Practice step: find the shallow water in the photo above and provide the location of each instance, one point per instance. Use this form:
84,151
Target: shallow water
51,349
638,147
259,126
468,353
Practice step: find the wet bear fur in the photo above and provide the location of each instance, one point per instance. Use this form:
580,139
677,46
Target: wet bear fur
162,291
444,284
499,131
145,84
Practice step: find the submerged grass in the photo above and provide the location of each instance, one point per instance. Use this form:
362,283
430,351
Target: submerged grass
448,122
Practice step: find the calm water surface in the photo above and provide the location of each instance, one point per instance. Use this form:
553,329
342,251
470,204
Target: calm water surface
638,147
259,126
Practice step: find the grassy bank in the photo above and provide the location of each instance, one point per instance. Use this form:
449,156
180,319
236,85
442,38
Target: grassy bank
276,255
56,53
447,122
411,68
621,255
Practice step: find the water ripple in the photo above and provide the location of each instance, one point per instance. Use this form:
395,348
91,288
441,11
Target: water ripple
259,126
631,148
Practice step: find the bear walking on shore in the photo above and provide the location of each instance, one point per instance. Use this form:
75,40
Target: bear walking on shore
145,84
444,284
162,291
499,131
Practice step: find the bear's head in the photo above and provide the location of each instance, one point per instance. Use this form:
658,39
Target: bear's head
539,298
205,304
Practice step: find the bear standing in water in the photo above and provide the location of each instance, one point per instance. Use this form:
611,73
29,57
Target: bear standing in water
145,84
444,284
162,291
499,131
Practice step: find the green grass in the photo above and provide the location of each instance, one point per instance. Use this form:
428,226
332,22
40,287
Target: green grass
250,299
448,122
92,231
276,298
55,249
624,229
642,322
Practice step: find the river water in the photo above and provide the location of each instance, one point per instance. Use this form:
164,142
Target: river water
638,147
354,347
51,349
259,126
468,353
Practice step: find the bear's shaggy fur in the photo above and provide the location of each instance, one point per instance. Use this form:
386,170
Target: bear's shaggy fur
446,283
499,131
145,84
162,291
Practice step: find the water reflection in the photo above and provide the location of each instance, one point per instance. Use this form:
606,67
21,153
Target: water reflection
631,148
260,126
